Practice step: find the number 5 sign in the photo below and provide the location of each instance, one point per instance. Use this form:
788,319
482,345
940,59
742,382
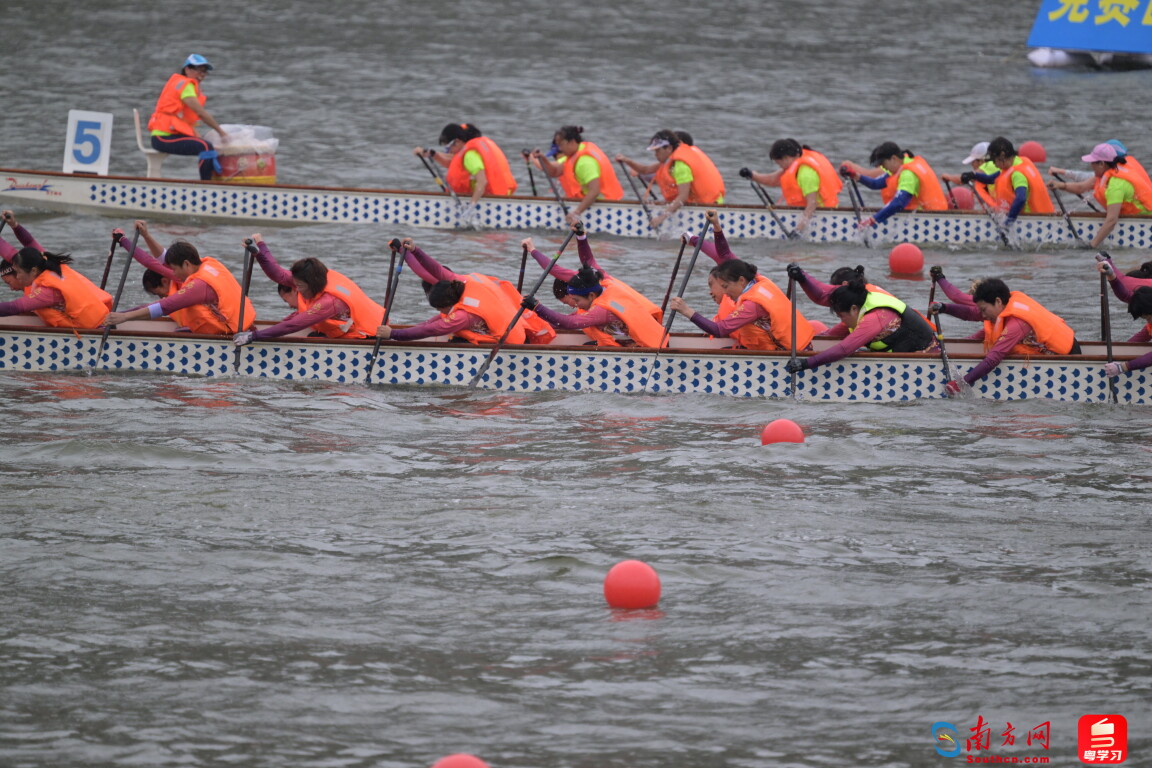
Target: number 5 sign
88,144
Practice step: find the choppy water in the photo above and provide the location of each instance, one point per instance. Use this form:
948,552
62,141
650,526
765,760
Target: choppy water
228,572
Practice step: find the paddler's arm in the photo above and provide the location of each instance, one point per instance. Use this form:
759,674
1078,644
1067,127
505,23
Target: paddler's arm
586,202
194,104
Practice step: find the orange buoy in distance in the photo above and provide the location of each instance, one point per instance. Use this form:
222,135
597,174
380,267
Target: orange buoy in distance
782,431
632,584
906,259
460,761
1034,151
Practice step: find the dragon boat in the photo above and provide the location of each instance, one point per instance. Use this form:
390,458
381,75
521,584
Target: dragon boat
127,197
692,364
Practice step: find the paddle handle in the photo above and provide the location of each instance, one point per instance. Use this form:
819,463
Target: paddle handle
531,176
1106,332
108,262
115,302
672,280
635,190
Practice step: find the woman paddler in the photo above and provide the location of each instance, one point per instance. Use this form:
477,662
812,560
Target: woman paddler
474,307
609,315
761,317
8,252
1017,183
908,183
682,171
326,301
61,301
476,165
1140,307
1125,286
587,259
878,322
585,172
1122,187
1014,323
805,176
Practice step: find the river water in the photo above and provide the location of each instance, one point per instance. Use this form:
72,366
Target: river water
227,572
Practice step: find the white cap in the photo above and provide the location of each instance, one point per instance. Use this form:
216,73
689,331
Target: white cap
978,152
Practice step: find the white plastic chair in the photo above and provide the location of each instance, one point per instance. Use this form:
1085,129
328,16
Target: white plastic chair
155,159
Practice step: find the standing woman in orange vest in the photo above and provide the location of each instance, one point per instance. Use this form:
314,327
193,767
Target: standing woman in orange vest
585,172
326,301
1019,187
61,301
806,177
908,183
179,108
208,290
682,171
476,165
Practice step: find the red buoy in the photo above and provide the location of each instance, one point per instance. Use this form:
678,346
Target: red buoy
460,761
1034,151
906,259
963,198
632,584
782,431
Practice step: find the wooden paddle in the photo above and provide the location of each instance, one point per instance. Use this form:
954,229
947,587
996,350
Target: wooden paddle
527,153
578,229
671,316
1067,218
1083,199
999,229
115,302
672,280
636,191
250,252
432,169
943,350
108,263
1106,332
523,266
389,298
770,204
857,205
792,348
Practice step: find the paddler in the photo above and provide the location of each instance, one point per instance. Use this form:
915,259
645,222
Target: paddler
207,289
805,176
476,165
178,109
476,308
977,160
761,317
1122,187
1017,183
8,252
1014,323
1140,307
585,172
875,321
683,173
329,303
607,313
908,183
60,300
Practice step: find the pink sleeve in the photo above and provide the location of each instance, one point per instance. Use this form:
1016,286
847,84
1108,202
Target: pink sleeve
26,239
41,298
868,329
190,294
147,260
272,268
7,250
1141,335
429,270
1014,332
955,294
817,291
559,272
437,326
748,312
326,307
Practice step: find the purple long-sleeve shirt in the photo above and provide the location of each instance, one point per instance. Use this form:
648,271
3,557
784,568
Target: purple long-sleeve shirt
326,307
41,297
1015,331
594,317
148,261
437,326
427,268
8,251
869,327
716,249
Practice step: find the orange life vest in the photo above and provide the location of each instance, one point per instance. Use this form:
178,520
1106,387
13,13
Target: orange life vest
610,188
830,183
637,319
83,306
1139,181
484,298
775,331
1051,331
172,114
707,184
182,317
1038,198
536,329
364,316
221,317
67,271
653,308
500,180
931,197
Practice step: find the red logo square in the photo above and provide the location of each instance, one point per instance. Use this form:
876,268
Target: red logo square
1102,739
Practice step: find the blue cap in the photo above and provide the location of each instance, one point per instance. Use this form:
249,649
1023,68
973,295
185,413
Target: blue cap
552,151
196,60
1123,150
